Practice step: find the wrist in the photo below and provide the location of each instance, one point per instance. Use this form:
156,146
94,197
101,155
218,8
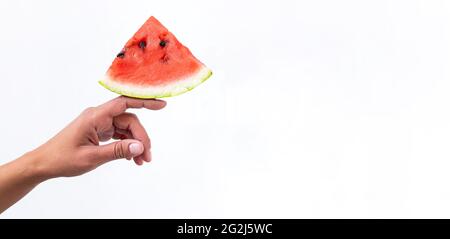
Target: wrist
33,168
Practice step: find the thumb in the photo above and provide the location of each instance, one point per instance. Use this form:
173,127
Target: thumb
126,148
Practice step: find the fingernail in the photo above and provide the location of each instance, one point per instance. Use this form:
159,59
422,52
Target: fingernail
136,149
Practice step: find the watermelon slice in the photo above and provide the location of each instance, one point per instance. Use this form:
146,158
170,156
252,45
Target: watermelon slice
154,64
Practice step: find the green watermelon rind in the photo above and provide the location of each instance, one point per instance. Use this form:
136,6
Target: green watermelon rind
203,76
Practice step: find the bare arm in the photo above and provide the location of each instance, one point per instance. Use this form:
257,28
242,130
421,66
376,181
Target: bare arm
77,150
17,178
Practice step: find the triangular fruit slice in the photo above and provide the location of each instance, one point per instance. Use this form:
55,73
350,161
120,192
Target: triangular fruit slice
154,64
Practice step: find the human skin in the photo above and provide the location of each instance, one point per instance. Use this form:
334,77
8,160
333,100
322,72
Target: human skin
76,149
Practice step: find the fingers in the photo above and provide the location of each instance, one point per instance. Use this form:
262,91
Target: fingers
128,122
122,134
120,104
127,126
125,134
106,135
120,149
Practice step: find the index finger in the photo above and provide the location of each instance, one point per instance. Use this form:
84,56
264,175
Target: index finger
120,104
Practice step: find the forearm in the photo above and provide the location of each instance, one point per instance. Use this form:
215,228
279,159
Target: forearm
17,178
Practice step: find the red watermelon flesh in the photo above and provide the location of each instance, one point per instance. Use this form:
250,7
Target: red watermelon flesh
154,64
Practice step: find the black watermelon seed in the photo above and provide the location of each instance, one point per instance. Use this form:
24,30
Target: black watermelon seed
121,54
164,58
162,43
142,44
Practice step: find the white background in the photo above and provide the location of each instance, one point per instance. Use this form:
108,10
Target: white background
334,109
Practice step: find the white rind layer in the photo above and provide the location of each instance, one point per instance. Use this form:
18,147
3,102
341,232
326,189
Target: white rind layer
172,89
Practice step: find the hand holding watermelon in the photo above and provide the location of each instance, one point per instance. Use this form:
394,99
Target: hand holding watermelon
76,149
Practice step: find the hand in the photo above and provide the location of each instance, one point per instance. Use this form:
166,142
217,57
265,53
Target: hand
77,150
